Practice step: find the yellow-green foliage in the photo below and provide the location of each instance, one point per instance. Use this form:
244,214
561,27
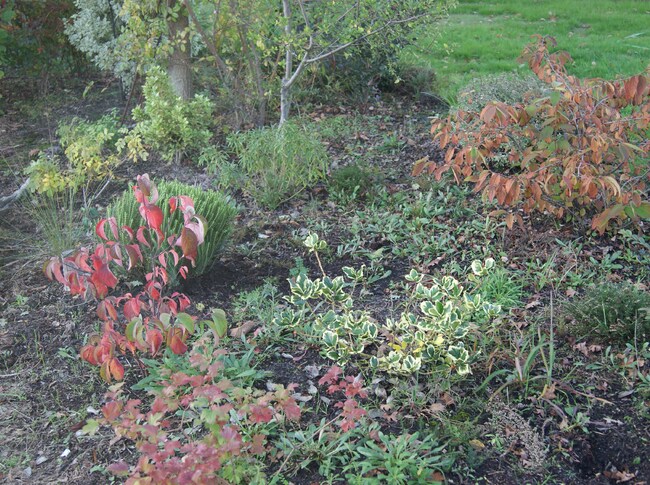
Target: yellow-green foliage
89,149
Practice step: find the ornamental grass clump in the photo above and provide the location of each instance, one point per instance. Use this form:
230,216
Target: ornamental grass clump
218,210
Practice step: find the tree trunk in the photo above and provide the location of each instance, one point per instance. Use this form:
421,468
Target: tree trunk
179,67
285,103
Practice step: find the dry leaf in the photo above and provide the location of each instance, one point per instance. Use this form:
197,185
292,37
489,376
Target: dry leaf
243,329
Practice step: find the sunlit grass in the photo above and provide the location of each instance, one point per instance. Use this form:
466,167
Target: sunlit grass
606,38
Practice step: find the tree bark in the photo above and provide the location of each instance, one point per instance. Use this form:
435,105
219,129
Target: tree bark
179,67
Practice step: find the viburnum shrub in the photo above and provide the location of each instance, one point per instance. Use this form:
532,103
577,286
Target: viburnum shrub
584,147
151,317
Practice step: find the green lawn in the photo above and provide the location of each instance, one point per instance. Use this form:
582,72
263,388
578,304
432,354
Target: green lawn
606,38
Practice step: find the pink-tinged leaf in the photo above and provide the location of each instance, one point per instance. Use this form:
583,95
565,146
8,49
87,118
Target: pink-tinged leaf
129,231
135,255
260,414
153,215
291,410
162,260
112,410
99,229
183,272
132,308
233,439
257,446
175,256
121,469
198,229
106,310
116,369
186,202
113,225
177,345
53,271
141,238
331,376
154,339
183,301
102,278
162,273
115,253
172,204
159,406
148,188
189,245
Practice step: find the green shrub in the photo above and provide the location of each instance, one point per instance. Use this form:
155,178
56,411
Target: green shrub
507,88
278,163
89,148
169,124
351,181
218,210
611,312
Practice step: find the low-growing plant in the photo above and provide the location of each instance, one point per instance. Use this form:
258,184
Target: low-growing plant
217,209
435,339
168,124
501,288
582,148
279,162
509,88
154,315
351,182
610,313
403,459
238,424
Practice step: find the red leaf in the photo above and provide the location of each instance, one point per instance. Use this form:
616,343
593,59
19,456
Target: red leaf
112,410
140,237
177,345
120,469
102,278
135,255
291,410
155,339
260,414
99,229
132,308
87,353
129,231
188,242
116,369
153,215
106,310
331,375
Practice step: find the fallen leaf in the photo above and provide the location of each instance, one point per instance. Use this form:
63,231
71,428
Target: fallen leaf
549,392
619,476
437,407
243,329
478,445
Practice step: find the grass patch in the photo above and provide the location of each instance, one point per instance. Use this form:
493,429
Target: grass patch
607,38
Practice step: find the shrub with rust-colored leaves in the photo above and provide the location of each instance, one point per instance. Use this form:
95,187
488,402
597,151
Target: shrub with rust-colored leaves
145,320
582,151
